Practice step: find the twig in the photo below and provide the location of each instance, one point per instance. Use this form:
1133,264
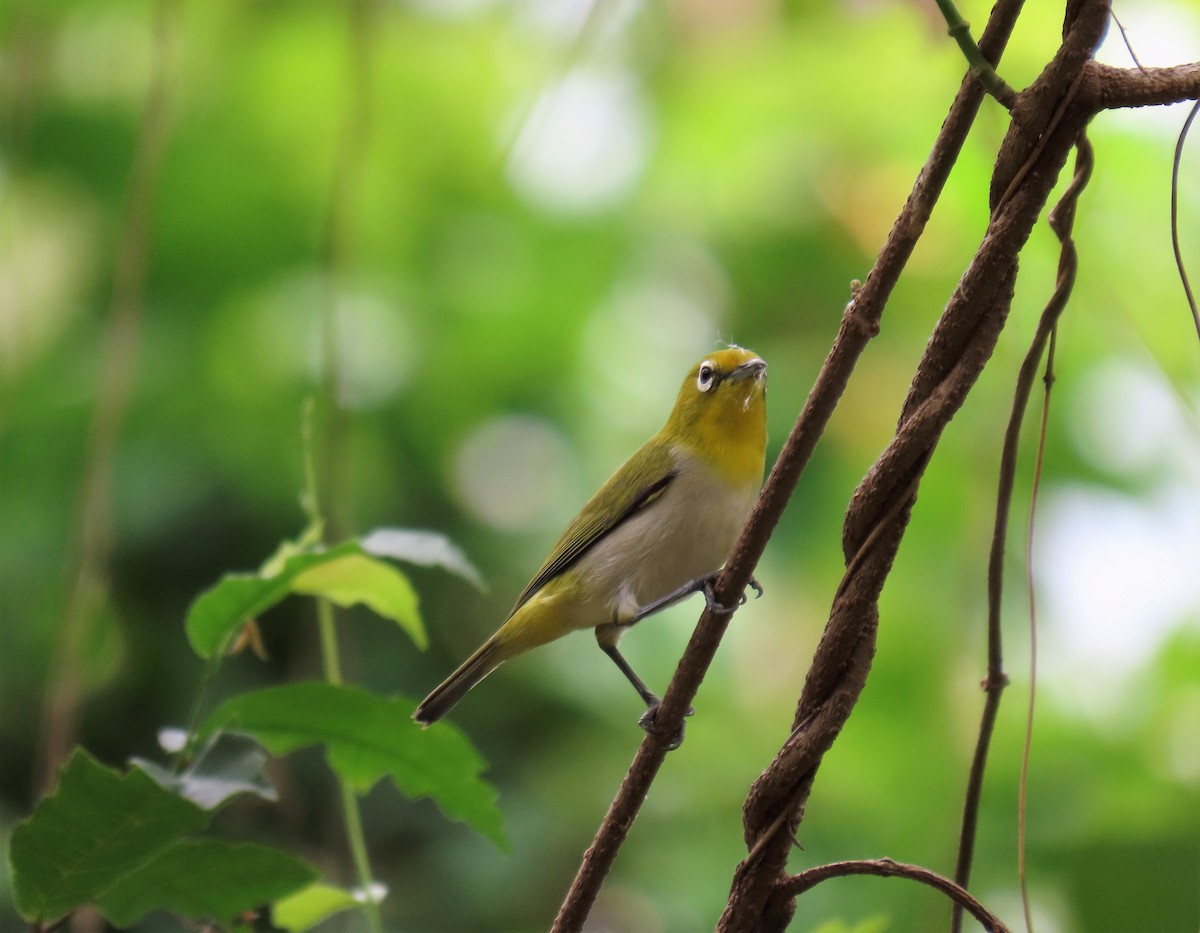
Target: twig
886,868
1027,749
1183,276
1061,220
1125,39
960,31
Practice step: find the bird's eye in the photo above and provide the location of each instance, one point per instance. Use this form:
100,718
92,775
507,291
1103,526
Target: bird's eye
707,377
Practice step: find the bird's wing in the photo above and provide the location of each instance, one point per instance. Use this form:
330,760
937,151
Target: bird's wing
640,481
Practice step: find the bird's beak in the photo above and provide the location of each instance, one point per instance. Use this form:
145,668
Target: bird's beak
752,369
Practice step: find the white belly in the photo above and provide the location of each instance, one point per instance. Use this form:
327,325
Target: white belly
684,534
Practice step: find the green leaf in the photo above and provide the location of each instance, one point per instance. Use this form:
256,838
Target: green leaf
95,829
358,578
228,765
309,906
367,737
206,879
220,611
424,548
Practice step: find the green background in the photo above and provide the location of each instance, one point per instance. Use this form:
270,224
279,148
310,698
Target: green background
550,217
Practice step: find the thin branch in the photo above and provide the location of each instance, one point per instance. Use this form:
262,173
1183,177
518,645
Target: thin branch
1027,749
1183,276
886,868
1125,39
860,322
1061,220
960,31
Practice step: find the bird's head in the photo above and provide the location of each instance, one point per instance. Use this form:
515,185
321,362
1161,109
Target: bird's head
721,411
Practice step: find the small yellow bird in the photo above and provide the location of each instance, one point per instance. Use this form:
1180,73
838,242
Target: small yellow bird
656,532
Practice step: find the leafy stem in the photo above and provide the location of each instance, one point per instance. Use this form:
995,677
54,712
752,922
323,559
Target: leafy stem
331,665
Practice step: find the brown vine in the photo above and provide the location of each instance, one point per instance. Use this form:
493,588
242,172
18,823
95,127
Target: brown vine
886,868
1048,119
1061,221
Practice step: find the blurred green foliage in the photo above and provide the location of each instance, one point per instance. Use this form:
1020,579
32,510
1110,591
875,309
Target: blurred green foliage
550,216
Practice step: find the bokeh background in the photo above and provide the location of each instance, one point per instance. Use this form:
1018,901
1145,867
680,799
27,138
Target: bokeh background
526,218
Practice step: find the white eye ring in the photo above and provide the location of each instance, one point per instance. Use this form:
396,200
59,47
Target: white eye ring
707,378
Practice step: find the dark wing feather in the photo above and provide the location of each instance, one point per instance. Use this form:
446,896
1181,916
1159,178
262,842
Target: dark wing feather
615,502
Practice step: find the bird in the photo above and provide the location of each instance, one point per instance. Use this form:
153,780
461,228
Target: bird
656,532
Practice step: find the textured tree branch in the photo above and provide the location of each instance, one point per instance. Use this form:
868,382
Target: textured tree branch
1108,88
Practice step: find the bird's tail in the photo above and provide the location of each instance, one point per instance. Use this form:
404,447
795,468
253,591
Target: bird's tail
455,687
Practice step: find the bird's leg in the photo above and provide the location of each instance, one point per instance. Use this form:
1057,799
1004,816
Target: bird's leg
702,584
630,674
606,637
692,586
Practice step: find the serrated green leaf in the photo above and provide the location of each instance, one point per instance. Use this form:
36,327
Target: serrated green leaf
228,765
424,548
359,578
366,738
206,879
309,906
220,611
94,830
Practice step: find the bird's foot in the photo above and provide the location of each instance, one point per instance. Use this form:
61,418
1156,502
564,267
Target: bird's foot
649,722
710,597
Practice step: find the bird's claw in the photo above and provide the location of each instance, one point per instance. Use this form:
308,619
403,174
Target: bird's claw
711,599
649,722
